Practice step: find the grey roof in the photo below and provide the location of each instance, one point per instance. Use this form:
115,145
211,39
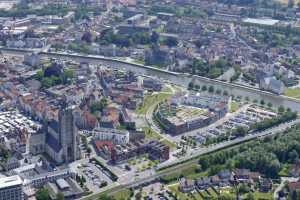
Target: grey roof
62,183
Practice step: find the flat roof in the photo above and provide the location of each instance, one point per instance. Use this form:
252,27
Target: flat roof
262,21
10,181
62,183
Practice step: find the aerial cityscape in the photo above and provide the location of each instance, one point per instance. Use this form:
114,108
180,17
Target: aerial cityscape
149,99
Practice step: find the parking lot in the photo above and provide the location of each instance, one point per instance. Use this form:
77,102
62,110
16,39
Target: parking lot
95,177
245,118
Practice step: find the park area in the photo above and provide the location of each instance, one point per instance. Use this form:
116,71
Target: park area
292,92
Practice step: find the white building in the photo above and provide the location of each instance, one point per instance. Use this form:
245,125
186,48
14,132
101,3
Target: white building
11,188
272,84
114,135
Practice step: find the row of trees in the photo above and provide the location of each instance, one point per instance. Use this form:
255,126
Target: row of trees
265,156
210,89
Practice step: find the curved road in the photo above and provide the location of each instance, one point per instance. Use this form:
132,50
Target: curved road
176,78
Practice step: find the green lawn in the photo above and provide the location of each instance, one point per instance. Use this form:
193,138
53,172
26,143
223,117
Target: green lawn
263,195
284,171
150,133
292,92
139,62
234,106
123,194
189,172
172,145
166,89
197,175
150,100
212,192
257,195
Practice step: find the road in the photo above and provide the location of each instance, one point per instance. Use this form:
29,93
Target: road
225,144
181,79
169,168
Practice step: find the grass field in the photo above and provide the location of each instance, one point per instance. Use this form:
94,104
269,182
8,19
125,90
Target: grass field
263,196
123,194
292,92
150,133
234,106
284,170
150,100
168,143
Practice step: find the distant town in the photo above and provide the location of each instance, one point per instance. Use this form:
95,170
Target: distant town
154,100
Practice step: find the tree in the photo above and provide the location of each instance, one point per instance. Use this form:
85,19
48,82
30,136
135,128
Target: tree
99,106
204,88
225,93
68,74
243,188
293,155
270,105
138,195
211,89
42,194
154,37
39,75
191,86
281,109
250,196
105,197
219,91
262,102
47,82
60,196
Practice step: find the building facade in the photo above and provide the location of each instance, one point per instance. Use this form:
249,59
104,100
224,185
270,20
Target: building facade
62,137
11,188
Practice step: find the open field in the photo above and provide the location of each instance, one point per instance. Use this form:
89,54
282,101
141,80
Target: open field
123,194
292,92
150,133
234,106
150,100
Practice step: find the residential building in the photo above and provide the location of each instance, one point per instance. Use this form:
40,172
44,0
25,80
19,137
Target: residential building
114,135
153,84
186,185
